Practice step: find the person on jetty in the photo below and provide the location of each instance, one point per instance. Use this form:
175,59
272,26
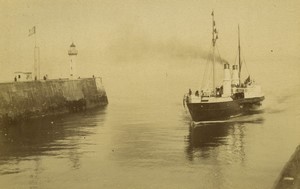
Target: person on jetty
45,77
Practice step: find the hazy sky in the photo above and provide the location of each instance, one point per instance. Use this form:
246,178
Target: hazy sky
112,31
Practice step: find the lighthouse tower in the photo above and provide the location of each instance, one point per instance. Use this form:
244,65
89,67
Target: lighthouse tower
73,54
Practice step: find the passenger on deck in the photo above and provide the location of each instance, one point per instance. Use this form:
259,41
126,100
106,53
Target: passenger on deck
218,91
190,92
197,93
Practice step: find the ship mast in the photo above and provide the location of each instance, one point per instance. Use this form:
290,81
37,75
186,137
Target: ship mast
214,39
240,62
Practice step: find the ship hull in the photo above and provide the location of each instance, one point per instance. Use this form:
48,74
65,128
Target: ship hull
216,111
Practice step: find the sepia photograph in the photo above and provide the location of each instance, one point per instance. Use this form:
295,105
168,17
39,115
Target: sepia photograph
150,94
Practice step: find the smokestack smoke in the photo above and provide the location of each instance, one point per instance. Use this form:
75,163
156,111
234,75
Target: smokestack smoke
190,51
130,47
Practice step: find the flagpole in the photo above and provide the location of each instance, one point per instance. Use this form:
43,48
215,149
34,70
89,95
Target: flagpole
36,55
37,58
240,62
213,43
34,38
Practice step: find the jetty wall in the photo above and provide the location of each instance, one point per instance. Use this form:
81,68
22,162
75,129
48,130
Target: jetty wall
29,99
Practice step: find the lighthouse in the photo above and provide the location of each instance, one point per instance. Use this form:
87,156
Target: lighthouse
73,54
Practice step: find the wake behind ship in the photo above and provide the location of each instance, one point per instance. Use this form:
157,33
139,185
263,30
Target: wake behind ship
233,97
28,97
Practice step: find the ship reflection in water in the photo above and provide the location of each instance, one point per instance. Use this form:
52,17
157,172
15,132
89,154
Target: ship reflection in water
61,137
204,138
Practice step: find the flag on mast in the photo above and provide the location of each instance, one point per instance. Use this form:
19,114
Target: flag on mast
32,31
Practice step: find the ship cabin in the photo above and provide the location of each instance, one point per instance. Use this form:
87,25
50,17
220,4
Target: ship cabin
23,76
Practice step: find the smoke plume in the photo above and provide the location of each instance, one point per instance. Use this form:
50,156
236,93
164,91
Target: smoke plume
137,47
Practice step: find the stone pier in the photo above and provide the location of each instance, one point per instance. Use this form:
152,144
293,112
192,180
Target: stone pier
29,99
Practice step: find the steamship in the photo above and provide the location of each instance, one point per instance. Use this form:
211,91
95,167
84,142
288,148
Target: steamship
232,98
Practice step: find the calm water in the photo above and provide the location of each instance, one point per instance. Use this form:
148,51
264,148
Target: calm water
145,139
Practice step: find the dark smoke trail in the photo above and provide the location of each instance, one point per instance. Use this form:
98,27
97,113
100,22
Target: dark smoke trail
132,47
180,50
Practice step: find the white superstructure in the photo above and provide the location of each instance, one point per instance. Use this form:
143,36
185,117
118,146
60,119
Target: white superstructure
235,75
226,81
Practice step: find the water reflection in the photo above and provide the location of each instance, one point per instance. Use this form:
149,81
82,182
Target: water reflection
59,136
209,140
